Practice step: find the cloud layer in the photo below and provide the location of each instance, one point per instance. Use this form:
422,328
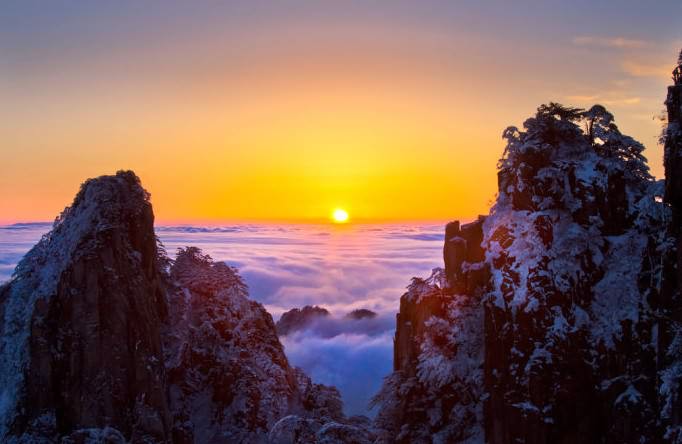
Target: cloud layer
339,268
289,266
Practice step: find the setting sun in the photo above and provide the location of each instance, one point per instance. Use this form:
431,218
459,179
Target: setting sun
340,216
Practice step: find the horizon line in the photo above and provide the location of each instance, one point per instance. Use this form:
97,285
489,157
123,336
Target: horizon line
238,221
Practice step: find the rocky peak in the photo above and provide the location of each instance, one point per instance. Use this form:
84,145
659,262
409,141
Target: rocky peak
106,339
300,318
361,313
670,336
463,254
541,301
198,273
81,346
672,138
228,377
568,242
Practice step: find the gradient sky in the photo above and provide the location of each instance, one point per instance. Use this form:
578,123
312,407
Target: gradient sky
283,110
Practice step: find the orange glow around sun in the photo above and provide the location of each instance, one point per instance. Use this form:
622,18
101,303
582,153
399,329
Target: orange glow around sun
286,121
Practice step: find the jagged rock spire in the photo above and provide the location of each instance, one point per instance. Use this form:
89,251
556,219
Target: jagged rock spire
677,72
673,141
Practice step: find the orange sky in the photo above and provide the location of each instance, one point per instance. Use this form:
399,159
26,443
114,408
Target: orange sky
280,116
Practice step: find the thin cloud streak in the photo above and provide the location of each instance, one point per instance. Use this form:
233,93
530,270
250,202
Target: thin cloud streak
606,99
643,69
610,42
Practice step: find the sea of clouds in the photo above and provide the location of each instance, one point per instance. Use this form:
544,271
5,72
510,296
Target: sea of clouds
340,268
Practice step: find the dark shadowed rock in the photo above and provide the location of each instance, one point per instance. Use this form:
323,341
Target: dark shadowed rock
361,313
554,319
670,334
81,322
462,245
298,319
107,340
228,377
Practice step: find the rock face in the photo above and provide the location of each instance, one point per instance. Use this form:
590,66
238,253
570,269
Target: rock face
670,339
299,318
361,313
554,319
81,322
105,339
673,144
228,377
574,245
434,393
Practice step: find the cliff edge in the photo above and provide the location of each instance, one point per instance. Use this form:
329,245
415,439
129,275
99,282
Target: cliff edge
551,321
107,339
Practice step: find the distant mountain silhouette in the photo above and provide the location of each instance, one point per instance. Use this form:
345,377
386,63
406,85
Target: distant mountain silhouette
361,313
298,319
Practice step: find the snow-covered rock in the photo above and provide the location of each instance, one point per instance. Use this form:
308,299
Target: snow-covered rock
435,394
574,243
548,322
81,322
107,340
229,380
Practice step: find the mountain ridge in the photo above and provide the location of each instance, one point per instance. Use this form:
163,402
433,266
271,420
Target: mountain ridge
553,319
107,339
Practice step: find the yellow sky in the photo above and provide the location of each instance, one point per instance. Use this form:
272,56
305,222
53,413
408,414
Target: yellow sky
288,121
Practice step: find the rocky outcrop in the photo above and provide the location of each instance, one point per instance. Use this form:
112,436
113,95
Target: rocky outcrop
673,145
81,323
554,319
573,243
300,318
670,336
361,313
463,256
328,425
106,339
228,378
435,392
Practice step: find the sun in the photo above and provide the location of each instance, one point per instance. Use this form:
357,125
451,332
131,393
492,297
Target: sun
340,216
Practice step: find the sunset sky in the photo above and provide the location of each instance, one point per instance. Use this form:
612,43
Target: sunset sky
250,110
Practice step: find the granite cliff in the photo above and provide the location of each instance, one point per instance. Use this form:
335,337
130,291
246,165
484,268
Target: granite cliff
555,318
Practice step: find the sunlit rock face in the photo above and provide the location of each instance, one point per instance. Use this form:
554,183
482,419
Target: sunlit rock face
106,339
546,324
